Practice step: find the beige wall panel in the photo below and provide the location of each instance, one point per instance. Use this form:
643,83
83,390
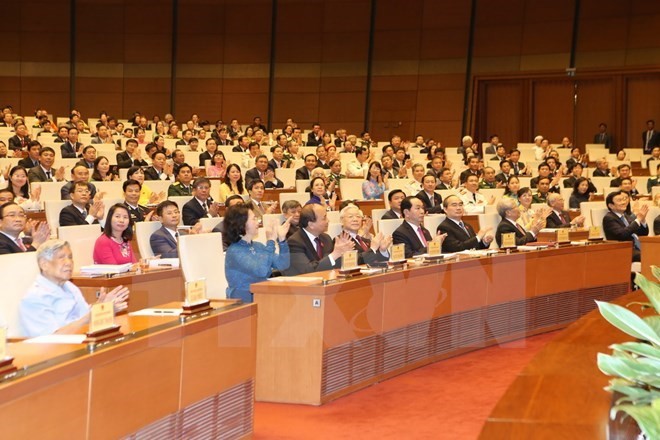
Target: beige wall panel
394,15
295,85
444,43
643,103
397,44
91,103
439,105
299,106
347,16
299,47
206,105
199,86
341,106
345,46
244,106
446,14
447,132
245,85
345,84
394,83
247,48
200,48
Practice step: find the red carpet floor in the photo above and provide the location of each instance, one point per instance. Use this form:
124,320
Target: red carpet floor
450,399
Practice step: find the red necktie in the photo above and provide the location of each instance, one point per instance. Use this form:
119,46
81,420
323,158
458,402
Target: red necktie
421,234
319,248
362,244
521,229
19,242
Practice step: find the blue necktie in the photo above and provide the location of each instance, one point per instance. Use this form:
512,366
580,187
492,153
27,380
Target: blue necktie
636,244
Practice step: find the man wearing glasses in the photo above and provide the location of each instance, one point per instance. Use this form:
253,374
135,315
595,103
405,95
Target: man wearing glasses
80,212
12,224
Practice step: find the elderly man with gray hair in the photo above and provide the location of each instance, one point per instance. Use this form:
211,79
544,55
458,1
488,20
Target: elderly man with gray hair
54,304
507,208
560,218
370,248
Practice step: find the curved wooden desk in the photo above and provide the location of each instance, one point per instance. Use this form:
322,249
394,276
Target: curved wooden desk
560,393
166,380
318,342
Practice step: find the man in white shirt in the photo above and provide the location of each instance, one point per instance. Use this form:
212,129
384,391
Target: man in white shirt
415,185
473,202
360,166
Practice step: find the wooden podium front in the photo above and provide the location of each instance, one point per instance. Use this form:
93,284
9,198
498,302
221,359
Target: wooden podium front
167,380
650,254
319,342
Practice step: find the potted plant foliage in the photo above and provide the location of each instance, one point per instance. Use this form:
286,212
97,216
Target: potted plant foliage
635,365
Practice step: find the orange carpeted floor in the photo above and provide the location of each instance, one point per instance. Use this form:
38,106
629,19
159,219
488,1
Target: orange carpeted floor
450,399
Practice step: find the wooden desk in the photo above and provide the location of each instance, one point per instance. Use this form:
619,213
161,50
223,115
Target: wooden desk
650,254
317,343
155,286
559,394
166,380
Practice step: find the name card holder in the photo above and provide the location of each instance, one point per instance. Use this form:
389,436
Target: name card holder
196,301
102,323
595,233
434,252
508,240
6,361
563,235
349,264
397,255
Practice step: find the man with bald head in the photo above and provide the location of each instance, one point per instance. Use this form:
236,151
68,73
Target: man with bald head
460,235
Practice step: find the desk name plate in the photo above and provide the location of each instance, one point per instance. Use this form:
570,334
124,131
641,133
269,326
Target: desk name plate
196,300
102,323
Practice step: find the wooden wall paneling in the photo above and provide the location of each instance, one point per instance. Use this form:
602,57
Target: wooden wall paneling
595,104
553,108
642,103
48,92
503,109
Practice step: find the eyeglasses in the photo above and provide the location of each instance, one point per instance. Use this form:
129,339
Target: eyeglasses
354,216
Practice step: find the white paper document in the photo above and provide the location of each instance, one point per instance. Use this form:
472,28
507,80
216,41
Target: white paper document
57,339
157,312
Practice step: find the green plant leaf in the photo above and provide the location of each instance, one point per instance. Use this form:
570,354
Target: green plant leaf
655,270
654,323
628,322
633,392
646,416
613,366
638,348
650,289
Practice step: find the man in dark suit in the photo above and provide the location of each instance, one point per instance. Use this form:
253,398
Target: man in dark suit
621,226
576,158
507,208
624,172
305,172
505,172
201,205
315,138
88,158
517,167
243,145
559,218
411,232
395,197
132,156
12,223
313,250
445,179
137,212
79,173
262,172
432,201
369,250
21,139
576,173
211,148
650,137
602,137
80,212
159,169
44,172
460,235
473,169
164,240
32,160
71,146
278,159
602,168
